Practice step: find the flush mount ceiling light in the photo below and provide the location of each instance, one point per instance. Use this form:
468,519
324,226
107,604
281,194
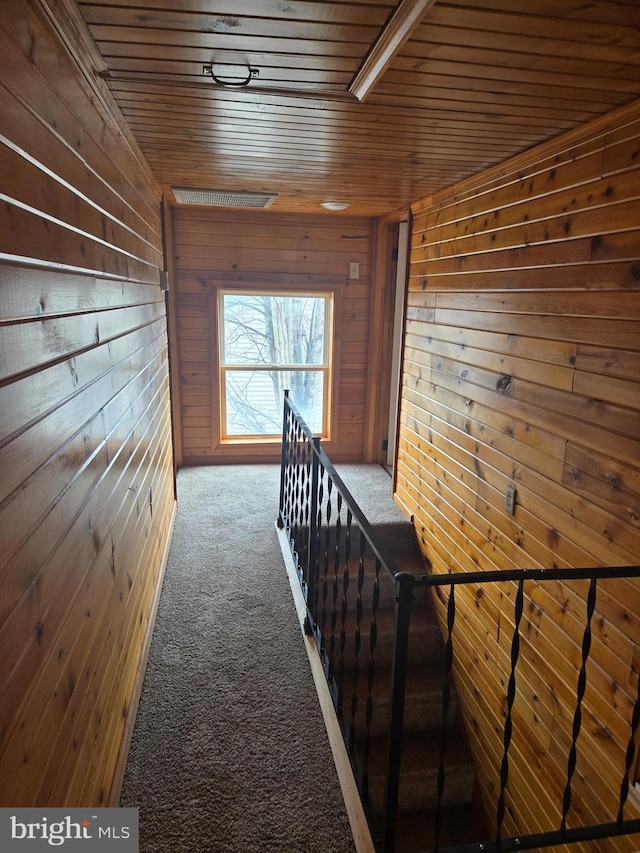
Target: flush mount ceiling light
335,205
407,15
223,198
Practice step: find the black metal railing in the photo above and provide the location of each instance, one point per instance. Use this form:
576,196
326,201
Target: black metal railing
349,582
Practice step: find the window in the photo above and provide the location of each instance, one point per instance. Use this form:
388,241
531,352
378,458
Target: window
269,342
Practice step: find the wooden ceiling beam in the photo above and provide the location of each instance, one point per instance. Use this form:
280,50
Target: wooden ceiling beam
407,15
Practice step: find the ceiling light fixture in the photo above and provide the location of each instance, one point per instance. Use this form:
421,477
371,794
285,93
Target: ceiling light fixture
404,19
335,205
227,74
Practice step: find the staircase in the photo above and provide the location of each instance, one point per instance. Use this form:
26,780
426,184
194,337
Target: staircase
381,647
370,485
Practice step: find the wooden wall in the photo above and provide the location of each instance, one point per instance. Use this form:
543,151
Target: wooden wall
86,493
522,368
249,249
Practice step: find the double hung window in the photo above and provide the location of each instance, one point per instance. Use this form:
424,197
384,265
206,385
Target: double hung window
269,342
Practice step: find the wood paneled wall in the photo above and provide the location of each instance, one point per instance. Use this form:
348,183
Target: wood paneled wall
522,369
86,493
263,249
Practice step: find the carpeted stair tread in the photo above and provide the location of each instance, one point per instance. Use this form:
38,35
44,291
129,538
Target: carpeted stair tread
372,488
419,772
392,537
425,639
461,824
329,583
396,537
423,701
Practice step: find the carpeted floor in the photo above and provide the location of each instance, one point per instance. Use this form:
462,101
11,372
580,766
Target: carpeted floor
229,751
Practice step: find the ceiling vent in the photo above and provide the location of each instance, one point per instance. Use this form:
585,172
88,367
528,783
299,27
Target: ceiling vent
223,198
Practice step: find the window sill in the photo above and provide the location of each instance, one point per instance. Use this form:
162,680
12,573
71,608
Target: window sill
250,442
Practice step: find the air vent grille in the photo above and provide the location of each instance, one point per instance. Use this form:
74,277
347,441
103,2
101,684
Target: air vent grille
223,198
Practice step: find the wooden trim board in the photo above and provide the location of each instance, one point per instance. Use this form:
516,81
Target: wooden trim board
357,820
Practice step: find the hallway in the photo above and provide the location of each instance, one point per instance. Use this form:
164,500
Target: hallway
229,749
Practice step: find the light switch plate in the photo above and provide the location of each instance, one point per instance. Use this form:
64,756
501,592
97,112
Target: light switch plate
510,500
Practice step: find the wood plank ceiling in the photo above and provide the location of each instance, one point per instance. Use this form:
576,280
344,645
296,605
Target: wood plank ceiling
474,84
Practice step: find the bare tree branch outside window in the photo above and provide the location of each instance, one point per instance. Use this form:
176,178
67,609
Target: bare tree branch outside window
273,342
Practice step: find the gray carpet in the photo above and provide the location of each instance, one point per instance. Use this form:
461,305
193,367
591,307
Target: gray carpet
371,487
229,750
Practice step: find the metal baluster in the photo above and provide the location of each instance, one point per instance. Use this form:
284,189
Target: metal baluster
312,556
630,755
334,592
293,520
345,609
577,717
325,553
446,703
283,459
404,600
302,537
511,694
285,476
357,642
294,491
305,463
304,508
291,442
371,677
293,452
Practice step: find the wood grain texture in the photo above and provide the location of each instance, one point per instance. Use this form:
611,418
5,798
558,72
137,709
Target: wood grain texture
85,443
472,86
264,250
521,369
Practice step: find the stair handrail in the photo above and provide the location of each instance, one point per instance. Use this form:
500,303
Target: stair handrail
406,583
386,560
